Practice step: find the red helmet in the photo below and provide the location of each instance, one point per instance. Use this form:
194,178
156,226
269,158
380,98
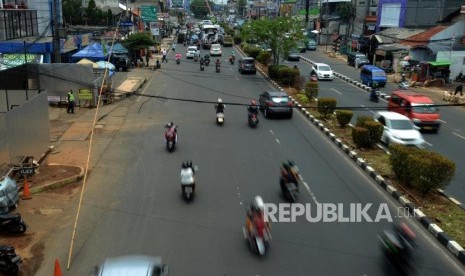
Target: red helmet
253,102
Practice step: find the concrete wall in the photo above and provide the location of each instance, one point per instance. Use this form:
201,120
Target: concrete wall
25,130
457,58
425,13
44,12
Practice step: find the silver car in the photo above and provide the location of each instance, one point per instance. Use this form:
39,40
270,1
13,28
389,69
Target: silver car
132,265
399,129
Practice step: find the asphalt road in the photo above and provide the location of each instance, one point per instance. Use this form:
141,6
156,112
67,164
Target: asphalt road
133,203
448,141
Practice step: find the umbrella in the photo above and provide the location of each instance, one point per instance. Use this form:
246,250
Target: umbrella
105,65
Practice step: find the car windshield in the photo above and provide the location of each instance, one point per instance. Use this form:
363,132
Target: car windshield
401,124
247,61
379,74
192,49
324,68
424,109
279,99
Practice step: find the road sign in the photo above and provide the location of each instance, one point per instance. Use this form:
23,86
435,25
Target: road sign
126,24
85,94
148,13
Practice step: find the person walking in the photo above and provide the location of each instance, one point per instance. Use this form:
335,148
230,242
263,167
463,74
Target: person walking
458,89
163,52
147,59
70,108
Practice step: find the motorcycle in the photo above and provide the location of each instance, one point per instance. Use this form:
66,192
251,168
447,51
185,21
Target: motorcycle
220,118
178,60
398,251
171,137
404,85
258,239
253,120
374,95
231,59
9,260
12,223
207,60
217,68
460,77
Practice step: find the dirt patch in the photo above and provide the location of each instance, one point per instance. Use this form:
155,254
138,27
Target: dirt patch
49,173
58,128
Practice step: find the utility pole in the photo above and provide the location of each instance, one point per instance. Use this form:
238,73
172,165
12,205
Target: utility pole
307,7
56,37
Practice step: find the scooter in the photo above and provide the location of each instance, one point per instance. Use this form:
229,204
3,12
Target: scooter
374,95
178,61
9,260
231,59
404,85
400,254
12,224
258,239
202,66
217,68
170,138
220,118
291,192
253,120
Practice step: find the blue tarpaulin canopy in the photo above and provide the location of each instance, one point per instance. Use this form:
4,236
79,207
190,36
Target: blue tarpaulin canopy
94,52
119,49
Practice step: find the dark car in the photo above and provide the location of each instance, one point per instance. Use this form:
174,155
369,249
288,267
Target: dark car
294,55
275,102
247,65
120,61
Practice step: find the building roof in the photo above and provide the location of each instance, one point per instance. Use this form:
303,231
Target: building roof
393,35
424,37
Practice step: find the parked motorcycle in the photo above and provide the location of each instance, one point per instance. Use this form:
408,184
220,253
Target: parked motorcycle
374,95
220,118
170,138
9,260
12,224
253,120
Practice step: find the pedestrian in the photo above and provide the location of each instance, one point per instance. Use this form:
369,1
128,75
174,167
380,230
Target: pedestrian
458,89
147,59
70,108
163,52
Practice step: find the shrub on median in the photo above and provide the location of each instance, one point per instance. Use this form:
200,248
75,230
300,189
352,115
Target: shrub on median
252,51
360,136
343,117
375,131
311,90
287,75
362,119
326,106
237,39
264,57
273,71
302,98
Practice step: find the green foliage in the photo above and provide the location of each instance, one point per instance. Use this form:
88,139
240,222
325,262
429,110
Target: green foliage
139,41
237,39
273,33
302,99
264,57
311,90
424,170
287,75
326,106
72,12
375,131
360,136
362,119
241,6
252,51
345,11
199,8
343,117
273,70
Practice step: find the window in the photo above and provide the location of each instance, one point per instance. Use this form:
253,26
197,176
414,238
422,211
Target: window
396,100
390,15
382,121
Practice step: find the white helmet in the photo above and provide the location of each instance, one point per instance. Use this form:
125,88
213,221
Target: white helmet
258,204
220,100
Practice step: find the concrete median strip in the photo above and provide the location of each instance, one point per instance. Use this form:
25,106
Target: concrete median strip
56,183
427,222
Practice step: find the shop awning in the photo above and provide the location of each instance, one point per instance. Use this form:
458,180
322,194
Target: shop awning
439,63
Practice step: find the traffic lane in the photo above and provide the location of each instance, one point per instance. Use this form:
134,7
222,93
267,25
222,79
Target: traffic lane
343,184
446,142
451,115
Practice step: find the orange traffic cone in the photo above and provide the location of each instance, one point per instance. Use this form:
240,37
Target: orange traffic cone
57,271
26,191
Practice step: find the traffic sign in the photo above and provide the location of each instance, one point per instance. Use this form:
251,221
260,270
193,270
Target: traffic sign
148,13
126,24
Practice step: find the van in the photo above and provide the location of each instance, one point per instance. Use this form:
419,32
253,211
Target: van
371,74
363,60
417,107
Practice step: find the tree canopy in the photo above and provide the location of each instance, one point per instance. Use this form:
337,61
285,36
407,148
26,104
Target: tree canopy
139,41
199,8
281,34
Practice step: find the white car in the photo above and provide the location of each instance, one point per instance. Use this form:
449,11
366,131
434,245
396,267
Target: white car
215,50
322,71
399,129
192,51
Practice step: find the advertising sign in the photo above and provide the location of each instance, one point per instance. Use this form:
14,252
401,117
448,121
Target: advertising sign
85,94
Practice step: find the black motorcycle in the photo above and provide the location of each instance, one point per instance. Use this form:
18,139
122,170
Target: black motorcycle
290,190
206,60
253,120
232,59
9,261
217,68
12,224
374,95
398,251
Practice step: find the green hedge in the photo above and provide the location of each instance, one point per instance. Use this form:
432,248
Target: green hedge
311,90
273,70
252,51
287,75
424,170
362,119
326,106
237,39
343,117
360,136
302,98
264,57
375,131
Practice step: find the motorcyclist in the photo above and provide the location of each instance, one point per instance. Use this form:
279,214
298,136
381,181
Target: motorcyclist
256,216
288,174
220,106
178,56
232,58
171,127
202,63
187,175
374,92
218,62
252,108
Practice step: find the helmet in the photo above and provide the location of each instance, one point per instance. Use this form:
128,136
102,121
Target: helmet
189,163
170,124
257,204
184,165
220,100
253,102
291,163
286,166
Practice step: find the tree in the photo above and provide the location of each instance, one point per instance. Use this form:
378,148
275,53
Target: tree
91,11
72,11
241,6
281,34
199,8
346,13
138,41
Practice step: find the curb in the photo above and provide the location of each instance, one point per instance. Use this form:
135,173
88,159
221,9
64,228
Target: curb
456,249
57,183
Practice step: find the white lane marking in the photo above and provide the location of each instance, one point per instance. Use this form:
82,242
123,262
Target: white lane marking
312,195
277,141
429,144
444,122
458,135
368,109
271,131
335,90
